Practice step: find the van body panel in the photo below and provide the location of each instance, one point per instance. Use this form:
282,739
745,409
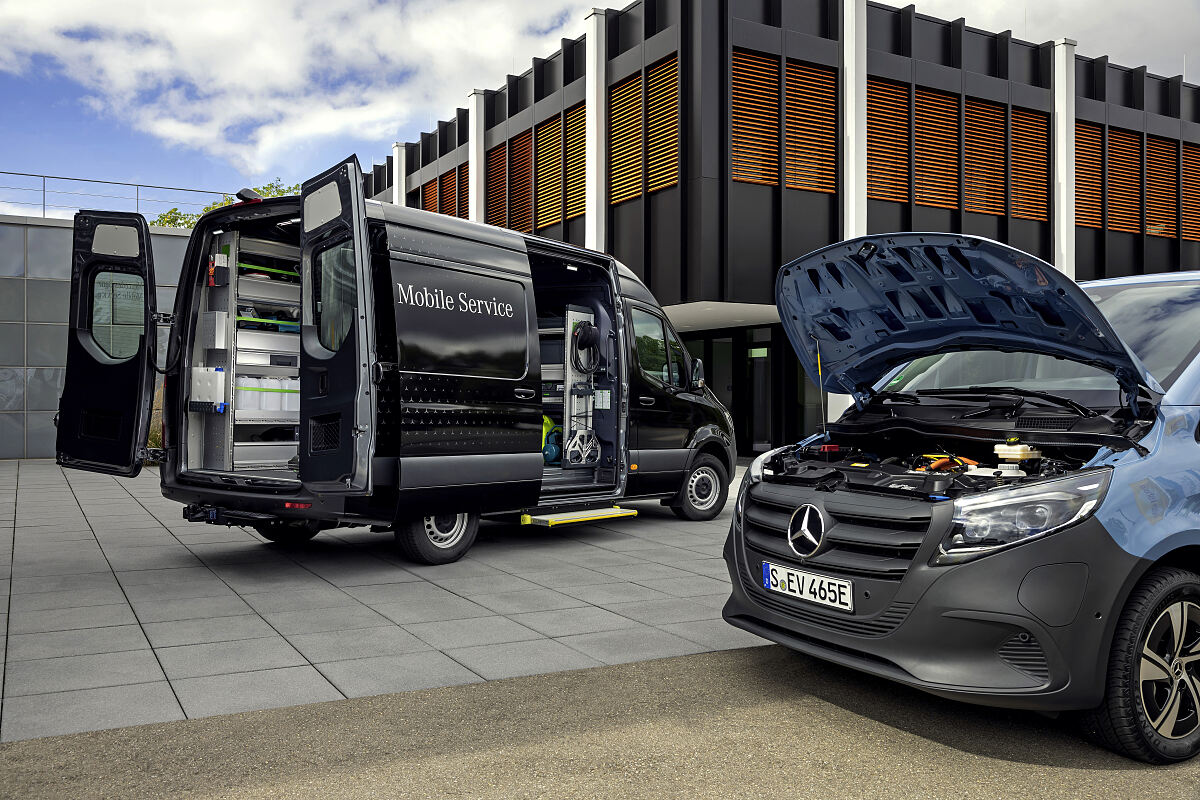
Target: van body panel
105,408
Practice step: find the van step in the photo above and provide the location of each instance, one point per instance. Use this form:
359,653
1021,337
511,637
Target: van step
571,517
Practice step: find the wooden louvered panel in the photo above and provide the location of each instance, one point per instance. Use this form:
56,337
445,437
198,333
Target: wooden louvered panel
935,160
1189,192
810,155
662,125
574,161
625,140
1030,165
429,196
1089,141
755,119
520,182
496,191
549,161
1162,187
448,193
887,141
463,189
983,158
1124,181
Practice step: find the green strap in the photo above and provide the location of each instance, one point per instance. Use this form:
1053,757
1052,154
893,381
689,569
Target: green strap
267,269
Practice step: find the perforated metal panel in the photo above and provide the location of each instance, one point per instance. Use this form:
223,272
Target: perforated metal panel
1124,181
983,158
1162,187
887,141
429,196
810,156
549,166
1030,165
1089,142
574,158
662,125
448,193
754,147
520,182
1189,192
463,184
935,163
625,140
496,180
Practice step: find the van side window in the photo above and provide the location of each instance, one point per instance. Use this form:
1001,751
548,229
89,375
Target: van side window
335,294
651,344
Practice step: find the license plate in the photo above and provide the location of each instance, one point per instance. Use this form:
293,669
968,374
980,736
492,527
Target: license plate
825,591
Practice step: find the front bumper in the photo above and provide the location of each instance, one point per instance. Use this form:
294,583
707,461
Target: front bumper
1029,627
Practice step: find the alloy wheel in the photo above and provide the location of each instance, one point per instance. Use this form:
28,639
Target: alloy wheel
1169,671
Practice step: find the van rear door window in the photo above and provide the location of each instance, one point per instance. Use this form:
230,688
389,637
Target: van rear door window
454,322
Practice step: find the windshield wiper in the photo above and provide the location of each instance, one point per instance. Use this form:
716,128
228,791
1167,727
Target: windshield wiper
1013,391
896,397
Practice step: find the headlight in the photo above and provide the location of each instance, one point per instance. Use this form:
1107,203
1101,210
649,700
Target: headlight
754,474
995,520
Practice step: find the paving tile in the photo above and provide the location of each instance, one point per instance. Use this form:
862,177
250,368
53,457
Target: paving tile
630,644
249,691
316,620
184,590
217,658
38,676
568,621
605,593
567,576
25,646
209,629
358,643
366,572
647,573
406,603
69,598
465,568
511,659
595,557
471,632
693,586
671,610
528,600
715,634
298,599
142,577
59,564
362,677
189,608
62,619
484,584
88,710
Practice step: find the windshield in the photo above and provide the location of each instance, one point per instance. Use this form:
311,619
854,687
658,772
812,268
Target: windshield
1158,321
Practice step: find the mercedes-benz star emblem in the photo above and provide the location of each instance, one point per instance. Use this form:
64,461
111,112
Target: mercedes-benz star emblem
806,530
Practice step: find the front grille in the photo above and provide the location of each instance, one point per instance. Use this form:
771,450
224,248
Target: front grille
866,536
1023,653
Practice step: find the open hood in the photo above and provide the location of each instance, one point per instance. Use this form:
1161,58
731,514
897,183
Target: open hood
857,309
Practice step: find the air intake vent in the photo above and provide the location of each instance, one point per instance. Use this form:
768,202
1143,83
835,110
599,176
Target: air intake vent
1045,423
1023,653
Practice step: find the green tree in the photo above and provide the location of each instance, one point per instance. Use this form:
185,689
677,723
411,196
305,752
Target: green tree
174,218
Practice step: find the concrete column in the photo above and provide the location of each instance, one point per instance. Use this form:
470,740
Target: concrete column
476,158
1063,146
595,131
852,105
398,170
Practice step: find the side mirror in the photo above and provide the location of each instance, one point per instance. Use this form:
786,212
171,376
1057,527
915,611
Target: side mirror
698,373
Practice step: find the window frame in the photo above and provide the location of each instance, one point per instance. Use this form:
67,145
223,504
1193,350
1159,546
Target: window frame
669,333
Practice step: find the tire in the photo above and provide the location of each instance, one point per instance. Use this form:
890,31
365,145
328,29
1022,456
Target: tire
288,533
1162,617
437,539
704,492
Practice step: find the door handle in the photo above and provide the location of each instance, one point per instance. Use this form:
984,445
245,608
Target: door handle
524,394
646,401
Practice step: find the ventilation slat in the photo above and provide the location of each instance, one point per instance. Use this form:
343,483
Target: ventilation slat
1124,181
625,141
549,172
1189,191
887,141
935,164
662,125
983,157
574,161
1089,141
1030,165
520,182
429,196
754,147
1162,187
463,185
810,156
496,179
448,193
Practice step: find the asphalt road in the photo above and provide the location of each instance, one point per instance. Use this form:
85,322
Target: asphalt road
759,722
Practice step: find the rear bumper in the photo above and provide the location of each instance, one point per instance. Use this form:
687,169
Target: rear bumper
1027,628
241,506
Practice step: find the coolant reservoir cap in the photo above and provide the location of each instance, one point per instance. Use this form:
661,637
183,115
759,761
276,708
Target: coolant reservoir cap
1016,452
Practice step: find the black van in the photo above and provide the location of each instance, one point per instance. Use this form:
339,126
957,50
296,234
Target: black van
336,361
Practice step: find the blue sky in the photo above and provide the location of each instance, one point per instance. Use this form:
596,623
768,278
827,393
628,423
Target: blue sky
222,95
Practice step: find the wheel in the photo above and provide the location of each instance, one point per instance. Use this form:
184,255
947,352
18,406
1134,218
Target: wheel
282,532
704,490
437,539
1151,709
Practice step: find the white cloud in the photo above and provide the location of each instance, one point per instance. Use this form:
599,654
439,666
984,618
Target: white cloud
1158,34
256,82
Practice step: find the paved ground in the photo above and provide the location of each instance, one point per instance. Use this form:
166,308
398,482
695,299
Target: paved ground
120,613
758,722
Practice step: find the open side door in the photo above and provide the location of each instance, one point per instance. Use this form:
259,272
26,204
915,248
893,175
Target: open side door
105,408
337,411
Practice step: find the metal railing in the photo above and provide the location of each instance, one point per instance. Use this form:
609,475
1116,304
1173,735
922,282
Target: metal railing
30,194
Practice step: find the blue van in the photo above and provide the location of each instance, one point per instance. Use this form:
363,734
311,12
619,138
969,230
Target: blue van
1009,512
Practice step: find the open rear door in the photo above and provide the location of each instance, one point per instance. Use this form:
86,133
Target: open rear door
104,410
337,412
